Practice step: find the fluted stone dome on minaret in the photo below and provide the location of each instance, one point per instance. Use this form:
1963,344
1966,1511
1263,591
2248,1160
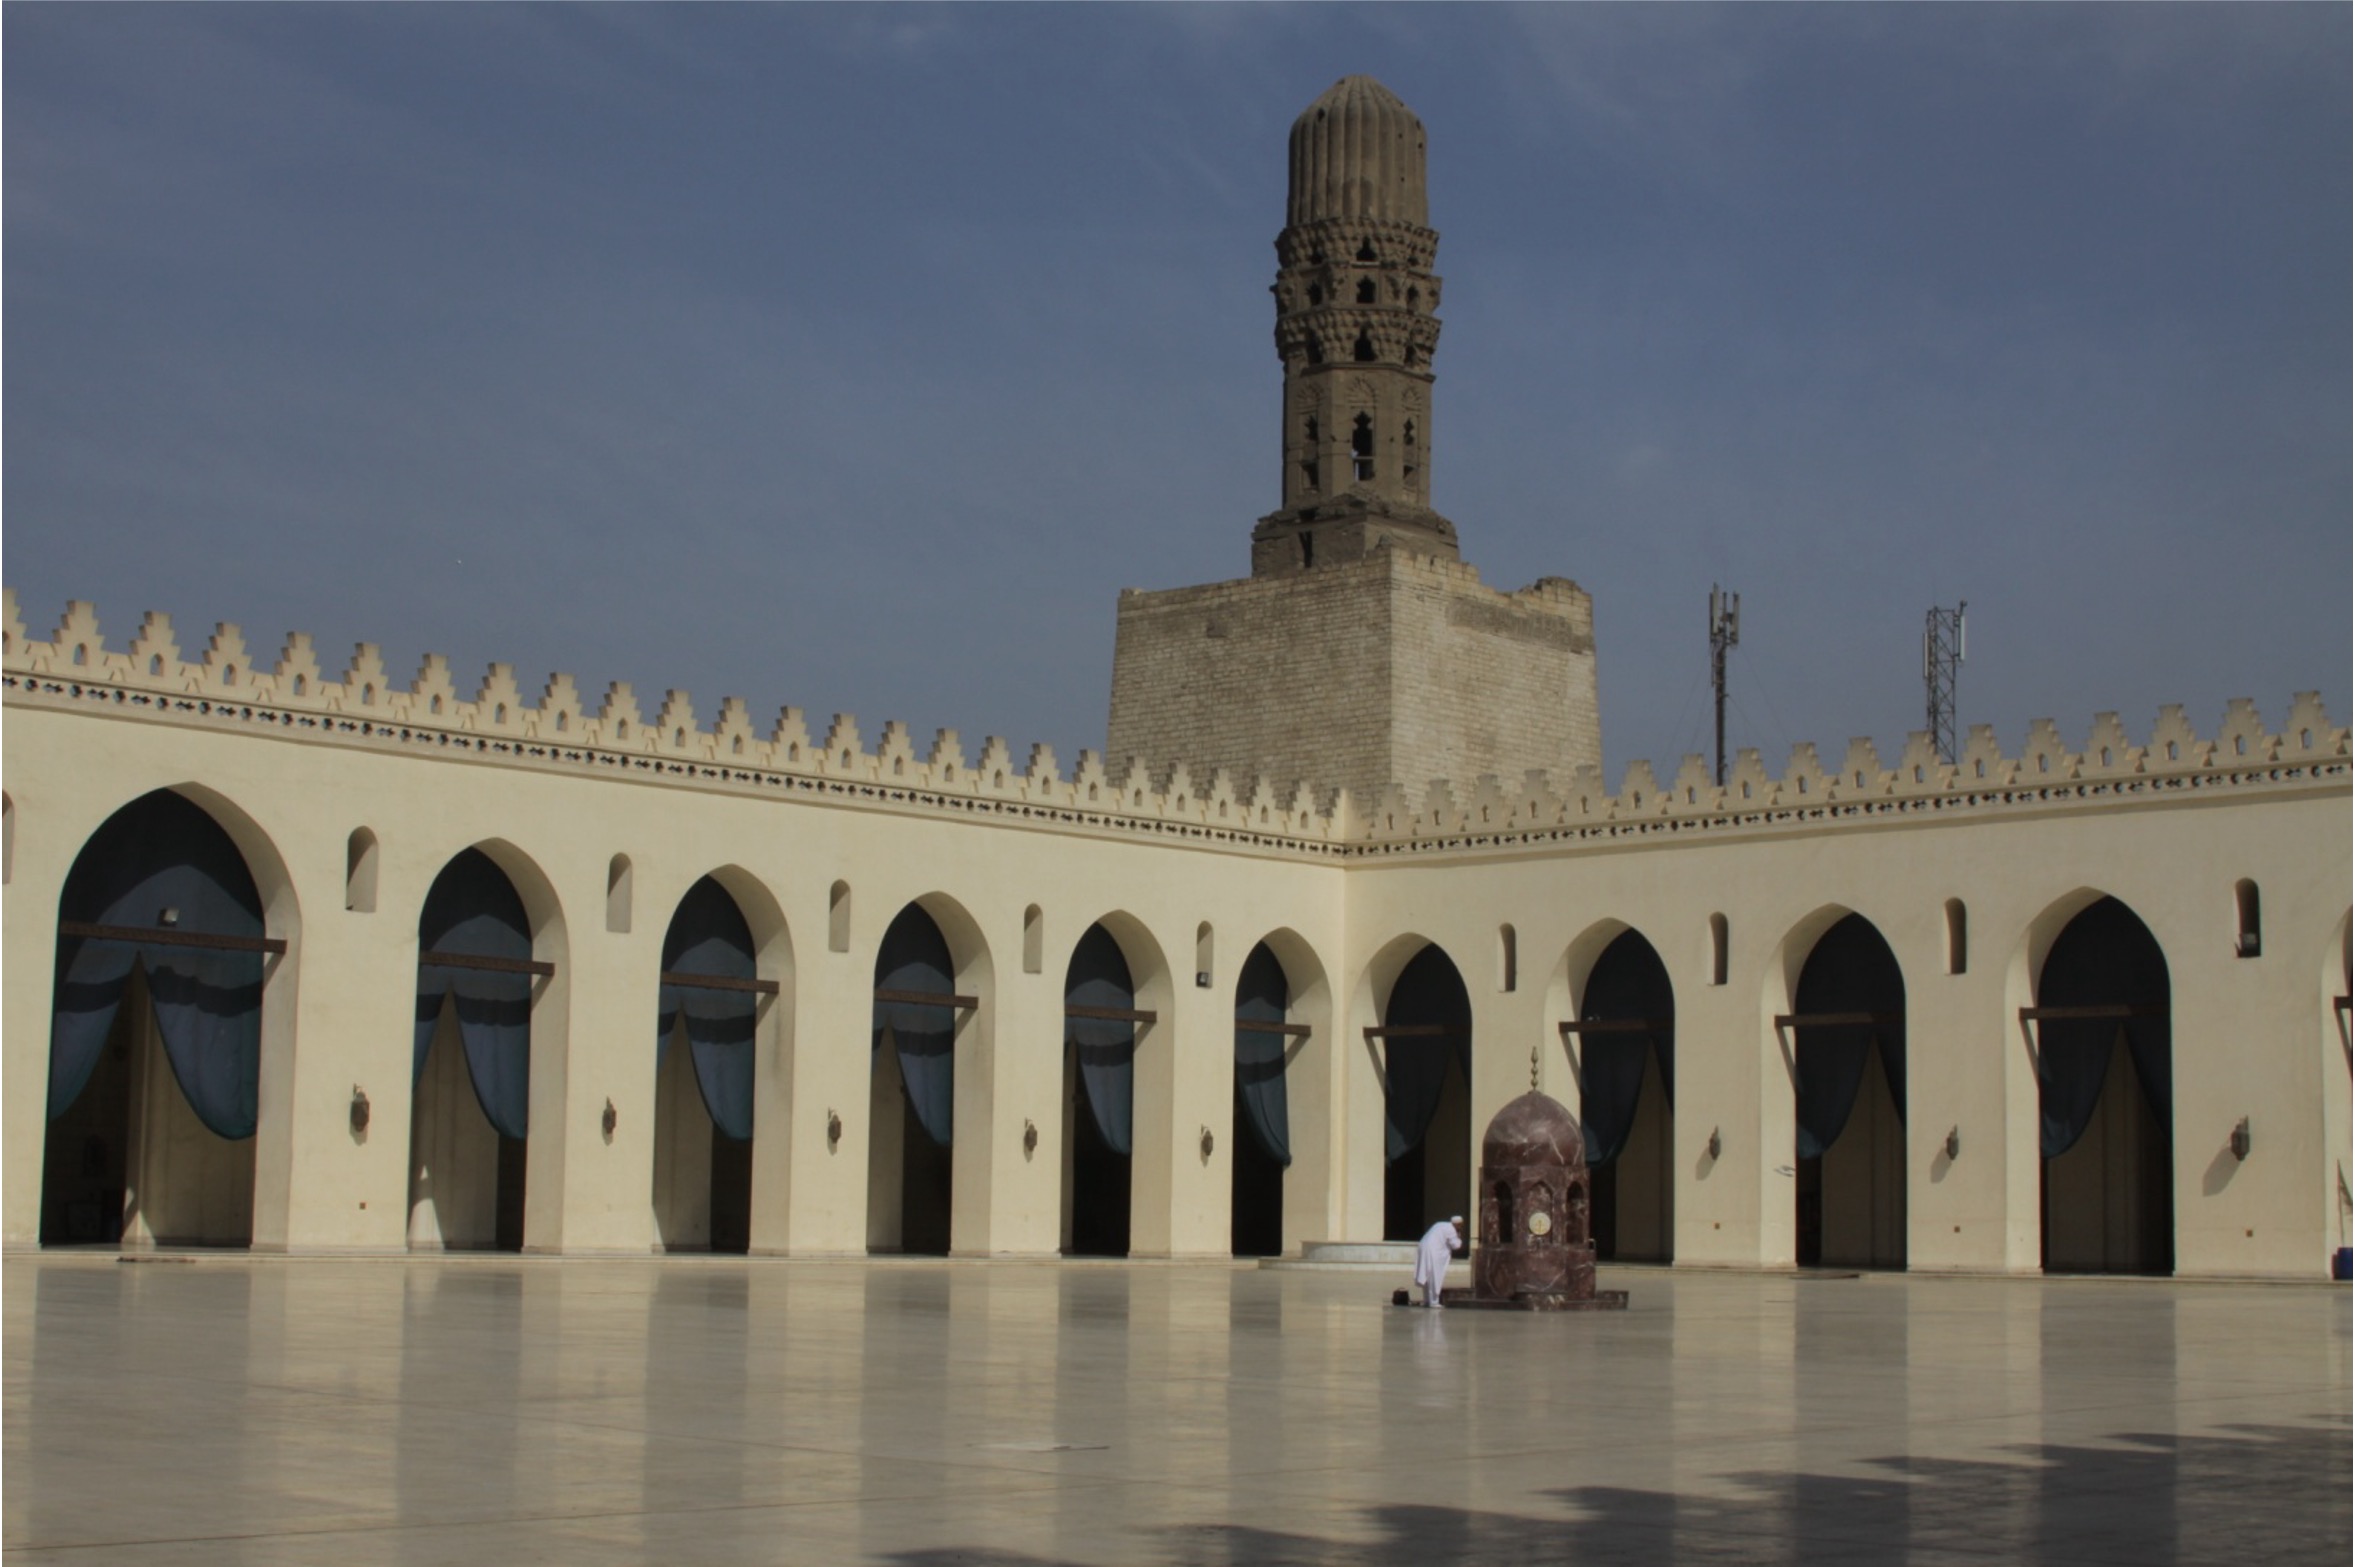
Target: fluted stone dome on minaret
1357,152
1356,326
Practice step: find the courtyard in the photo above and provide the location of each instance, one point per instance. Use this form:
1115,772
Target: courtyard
475,1409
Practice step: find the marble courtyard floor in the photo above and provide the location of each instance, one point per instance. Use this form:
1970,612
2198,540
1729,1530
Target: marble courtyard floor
494,1410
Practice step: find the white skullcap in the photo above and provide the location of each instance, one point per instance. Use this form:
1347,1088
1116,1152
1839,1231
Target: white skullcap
1457,1220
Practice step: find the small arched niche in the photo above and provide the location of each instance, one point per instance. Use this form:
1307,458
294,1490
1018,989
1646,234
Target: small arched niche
618,877
359,871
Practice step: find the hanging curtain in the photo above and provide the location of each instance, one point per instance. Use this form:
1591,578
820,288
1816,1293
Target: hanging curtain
164,852
2105,957
1099,977
708,936
1261,996
1429,991
915,957
473,909
1850,970
1629,981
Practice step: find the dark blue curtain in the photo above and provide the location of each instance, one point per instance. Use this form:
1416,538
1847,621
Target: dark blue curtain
1429,991
2105,957
915,957
473,908
1261,996
1850,970
160,852
708,936
1629,981
1098,977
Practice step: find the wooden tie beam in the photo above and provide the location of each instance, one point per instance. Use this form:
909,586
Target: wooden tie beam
758,987
927,998
1839,1020
474,960
165,936
1617,1025
1109,1014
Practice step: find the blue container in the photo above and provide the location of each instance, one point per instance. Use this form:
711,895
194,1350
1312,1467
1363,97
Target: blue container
2342,1263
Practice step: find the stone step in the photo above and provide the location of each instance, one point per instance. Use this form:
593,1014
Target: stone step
1369,1256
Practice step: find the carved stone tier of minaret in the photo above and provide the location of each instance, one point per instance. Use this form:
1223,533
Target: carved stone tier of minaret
1356,329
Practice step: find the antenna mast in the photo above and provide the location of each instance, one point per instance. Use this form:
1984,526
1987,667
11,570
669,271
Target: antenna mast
1725,630
1942,656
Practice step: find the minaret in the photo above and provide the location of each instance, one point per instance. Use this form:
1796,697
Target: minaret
1363,650
1355,328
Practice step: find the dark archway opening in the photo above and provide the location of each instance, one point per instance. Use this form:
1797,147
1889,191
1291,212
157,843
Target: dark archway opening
1426,1038
155,1035
912,1104
2105,1067
706,1021
470,1122
1262,1139
1099,1084
1847,1036
1626,1046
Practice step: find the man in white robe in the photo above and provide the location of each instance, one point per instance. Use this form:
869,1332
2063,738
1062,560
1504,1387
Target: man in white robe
1432,1253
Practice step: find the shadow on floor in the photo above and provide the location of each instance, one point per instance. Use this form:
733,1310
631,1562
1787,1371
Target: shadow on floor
2255,1493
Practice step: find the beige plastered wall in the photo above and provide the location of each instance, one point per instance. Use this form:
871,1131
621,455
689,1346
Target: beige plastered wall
2254,1038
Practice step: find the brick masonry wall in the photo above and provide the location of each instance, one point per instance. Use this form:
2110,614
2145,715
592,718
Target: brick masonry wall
1397,668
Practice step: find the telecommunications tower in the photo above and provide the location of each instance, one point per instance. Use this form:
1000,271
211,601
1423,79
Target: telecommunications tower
1942,656
1725,630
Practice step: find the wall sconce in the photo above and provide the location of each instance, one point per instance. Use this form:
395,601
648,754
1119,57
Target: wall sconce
1953,1144
359,1111
1202,979
1029,1138
1209,1143
2240,1139
612,1119
1716,1144
167,915
833,1131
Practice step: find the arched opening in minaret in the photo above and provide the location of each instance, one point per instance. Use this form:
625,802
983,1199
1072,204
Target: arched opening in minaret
1361,446
1312,439
1316,293
1427,1069
1413,457
1365,251
1365,290
1414,299
1363,353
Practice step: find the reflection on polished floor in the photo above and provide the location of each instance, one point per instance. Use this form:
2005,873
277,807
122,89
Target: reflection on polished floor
690,1411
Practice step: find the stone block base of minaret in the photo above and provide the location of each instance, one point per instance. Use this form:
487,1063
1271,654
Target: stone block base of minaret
1395,667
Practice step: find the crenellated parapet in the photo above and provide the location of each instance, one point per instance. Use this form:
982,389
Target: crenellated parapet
224,685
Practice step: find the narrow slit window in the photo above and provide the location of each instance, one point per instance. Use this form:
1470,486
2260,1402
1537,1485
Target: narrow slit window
1204,953
1717,949
2250,940
1363,352
1508,958
1958,937
1034,940
1361,446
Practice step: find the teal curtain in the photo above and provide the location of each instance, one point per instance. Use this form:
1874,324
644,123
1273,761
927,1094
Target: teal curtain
708,936
1262,996
473,908
163,851
1099,977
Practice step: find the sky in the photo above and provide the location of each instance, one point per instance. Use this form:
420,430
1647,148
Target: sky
855,358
